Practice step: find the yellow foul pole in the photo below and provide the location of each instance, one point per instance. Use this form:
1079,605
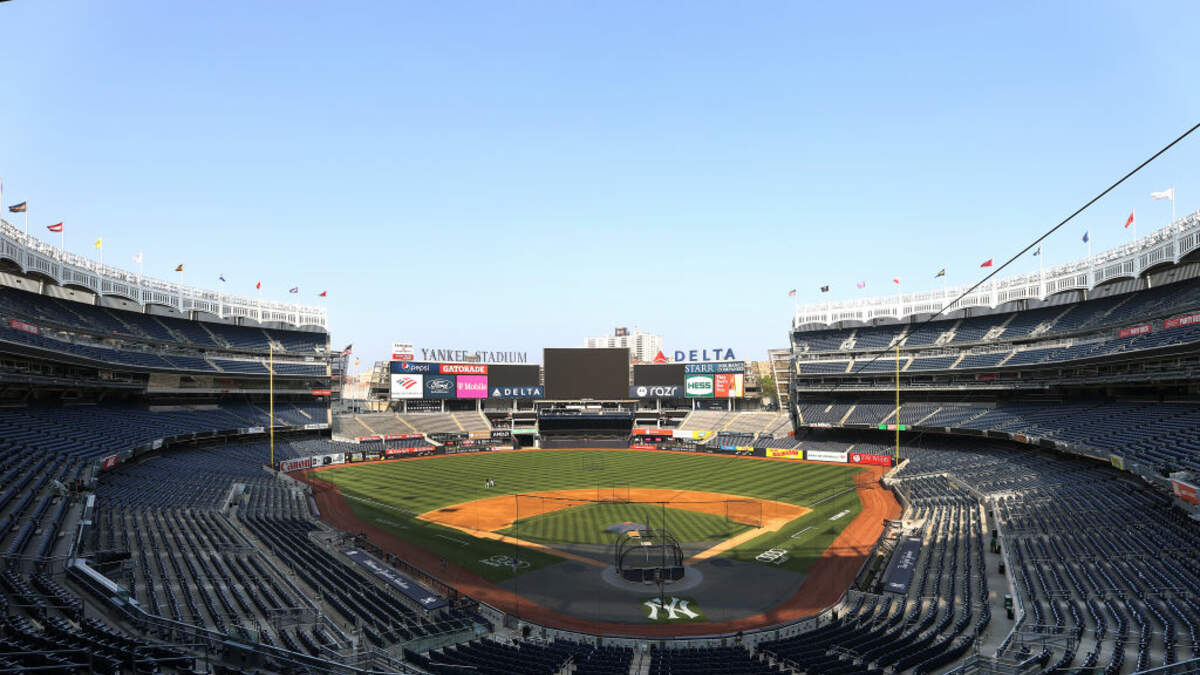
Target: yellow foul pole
897,401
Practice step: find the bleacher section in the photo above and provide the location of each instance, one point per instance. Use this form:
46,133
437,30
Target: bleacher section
81,333
1056,334
1160,436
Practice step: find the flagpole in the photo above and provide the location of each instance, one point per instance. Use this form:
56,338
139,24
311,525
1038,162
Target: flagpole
1172,203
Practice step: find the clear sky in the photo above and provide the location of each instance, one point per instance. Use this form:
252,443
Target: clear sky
513,175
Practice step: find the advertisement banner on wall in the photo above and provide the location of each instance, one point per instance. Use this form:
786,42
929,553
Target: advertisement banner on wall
402,351
1185,491
463,369
413,367
719,367
1133,330
407,386
289,465
518,392
22,326
656,391
1182,321
825,456
440,386
786,453
698,386
1117,461
472,386
864,458
729,385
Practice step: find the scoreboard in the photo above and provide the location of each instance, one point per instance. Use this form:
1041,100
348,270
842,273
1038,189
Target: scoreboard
717,379
423,380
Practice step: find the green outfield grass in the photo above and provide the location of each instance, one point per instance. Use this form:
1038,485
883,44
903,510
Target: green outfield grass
587,524
392,494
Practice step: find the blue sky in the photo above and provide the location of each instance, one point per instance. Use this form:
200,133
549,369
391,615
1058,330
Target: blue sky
519,175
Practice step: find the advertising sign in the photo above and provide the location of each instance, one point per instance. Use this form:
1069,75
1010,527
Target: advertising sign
710,368
289,465
825,456
413,367
1134,330
656,391
864,458
407,386
109,462
472,386
398,437
698,386
643,446
1117,461
518,392
729,385
1185,491
402,351
786,453
440,386
715,354
1182,321
322,392
22,326
369,439
463,369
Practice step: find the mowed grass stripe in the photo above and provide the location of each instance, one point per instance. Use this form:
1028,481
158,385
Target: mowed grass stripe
587,524
423,485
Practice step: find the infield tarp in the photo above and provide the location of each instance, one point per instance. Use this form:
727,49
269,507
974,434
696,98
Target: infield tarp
411,589
904,562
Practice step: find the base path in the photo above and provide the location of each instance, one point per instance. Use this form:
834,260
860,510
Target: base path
824,583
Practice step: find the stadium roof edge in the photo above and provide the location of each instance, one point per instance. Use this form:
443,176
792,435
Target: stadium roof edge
33,256
1166,246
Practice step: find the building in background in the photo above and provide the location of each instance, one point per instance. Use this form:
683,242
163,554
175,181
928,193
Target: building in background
643,347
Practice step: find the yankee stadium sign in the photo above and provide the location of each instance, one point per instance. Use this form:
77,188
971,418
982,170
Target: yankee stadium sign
478,355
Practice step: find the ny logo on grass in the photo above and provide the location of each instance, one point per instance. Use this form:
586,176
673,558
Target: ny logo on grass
673,609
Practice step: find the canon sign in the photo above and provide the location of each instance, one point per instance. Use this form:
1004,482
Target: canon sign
656,391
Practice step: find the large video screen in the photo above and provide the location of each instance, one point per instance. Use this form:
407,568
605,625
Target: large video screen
514,376
663,375
573,374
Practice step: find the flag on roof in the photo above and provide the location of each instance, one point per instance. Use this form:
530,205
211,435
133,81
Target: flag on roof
896,280
825,289
19,208
57,227
99,243
1085,237
323,294
862,284
294,289
792,293
138,258
1129,220
987,263
941,273
221,277
179,268
1038,251
1169,193
346,351
258,285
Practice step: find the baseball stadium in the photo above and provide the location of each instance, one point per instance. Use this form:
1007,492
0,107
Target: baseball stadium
367,434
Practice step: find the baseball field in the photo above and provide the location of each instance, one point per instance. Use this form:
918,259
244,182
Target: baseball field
504,514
